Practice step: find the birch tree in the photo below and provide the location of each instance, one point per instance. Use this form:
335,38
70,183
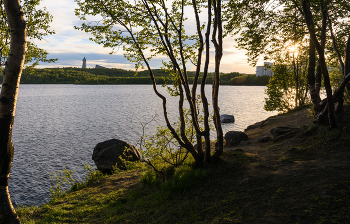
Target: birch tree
8,98
148,29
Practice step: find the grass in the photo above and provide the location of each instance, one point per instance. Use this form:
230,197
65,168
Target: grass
294,181
137,196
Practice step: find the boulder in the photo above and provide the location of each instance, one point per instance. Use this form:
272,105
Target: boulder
225,118
106,154
235,137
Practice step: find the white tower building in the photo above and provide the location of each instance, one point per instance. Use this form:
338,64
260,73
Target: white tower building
264,70
84,63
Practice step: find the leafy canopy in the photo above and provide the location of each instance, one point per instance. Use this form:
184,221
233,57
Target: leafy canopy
117,19
38,27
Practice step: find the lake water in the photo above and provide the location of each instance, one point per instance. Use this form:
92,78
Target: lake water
59,125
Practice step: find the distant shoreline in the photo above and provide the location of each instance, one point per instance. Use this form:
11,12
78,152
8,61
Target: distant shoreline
98,76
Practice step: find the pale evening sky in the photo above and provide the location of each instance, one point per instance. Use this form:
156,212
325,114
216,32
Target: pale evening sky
70,46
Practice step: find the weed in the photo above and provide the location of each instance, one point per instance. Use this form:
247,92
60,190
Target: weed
177,179
127,163
149,178
92,176
64,180
61,179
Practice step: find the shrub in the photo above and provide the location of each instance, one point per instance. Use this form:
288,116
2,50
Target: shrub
64,181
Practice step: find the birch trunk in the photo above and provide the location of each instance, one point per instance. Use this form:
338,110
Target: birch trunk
8,98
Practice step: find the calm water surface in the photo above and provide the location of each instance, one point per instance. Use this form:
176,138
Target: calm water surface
59,125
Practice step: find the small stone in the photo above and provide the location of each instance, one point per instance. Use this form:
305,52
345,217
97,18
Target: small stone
225,118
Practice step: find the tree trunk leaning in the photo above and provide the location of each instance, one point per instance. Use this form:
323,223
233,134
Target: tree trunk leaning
8,99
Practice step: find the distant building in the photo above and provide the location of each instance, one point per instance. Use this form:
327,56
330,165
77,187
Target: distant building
259,70
264,70
84,63
99,66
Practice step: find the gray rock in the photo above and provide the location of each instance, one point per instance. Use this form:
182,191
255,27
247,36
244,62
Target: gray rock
225,118
106,154
235,137
278,131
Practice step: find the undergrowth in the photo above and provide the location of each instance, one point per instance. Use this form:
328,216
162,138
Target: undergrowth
64,179
174,179
76,204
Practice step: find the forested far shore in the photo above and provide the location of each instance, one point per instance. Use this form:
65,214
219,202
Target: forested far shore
113,76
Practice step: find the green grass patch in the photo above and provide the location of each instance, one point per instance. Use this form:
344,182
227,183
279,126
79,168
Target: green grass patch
151,199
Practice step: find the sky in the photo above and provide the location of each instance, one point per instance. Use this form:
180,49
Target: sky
70,46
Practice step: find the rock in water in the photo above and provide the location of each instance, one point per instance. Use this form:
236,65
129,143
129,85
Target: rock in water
235,137
106,154
225,118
